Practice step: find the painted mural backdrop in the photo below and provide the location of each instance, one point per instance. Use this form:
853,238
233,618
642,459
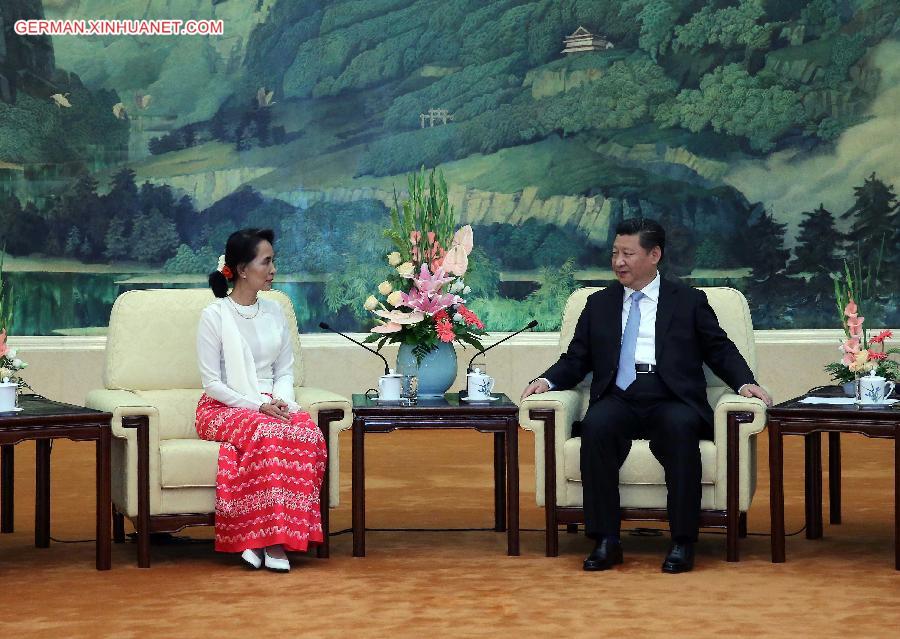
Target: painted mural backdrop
762,133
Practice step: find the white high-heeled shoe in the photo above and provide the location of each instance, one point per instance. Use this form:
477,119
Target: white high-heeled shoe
253,557
278,564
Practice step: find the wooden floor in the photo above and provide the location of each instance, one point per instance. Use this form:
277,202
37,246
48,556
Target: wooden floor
458,584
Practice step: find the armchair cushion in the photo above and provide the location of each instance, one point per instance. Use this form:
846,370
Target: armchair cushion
640,466
188,463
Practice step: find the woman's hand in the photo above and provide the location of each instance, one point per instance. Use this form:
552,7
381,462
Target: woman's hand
277,409
283,405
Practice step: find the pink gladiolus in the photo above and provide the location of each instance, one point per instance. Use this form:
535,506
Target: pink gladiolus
851,309
851,345
854,324
848,359
456,261
4,349
387,327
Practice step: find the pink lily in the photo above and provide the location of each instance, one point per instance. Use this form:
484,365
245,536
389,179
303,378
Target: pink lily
429,283
430,304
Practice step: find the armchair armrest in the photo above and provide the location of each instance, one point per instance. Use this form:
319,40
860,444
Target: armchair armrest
737,421
323,405
123,403
734,403
559,408
136,421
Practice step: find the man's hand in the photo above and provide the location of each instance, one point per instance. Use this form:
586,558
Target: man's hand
272,410
752,390
537,386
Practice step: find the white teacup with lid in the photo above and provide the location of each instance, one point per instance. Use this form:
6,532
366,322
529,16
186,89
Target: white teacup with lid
479,385
389,386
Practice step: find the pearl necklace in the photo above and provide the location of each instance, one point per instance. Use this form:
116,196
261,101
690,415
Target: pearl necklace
238,311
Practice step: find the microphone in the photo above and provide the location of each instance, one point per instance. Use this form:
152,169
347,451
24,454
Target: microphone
530,324
387,369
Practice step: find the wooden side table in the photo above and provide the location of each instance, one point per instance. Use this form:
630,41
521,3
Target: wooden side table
499,417
810,420
44,420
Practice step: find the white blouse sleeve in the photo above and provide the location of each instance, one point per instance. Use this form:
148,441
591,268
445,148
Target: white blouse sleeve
283,368
209,357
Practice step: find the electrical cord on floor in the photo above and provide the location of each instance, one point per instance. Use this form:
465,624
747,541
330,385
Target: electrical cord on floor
634,532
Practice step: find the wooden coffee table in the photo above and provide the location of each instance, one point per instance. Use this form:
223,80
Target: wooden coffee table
810,420
500,417
44,420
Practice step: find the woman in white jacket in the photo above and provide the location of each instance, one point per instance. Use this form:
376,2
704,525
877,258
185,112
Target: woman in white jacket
272,458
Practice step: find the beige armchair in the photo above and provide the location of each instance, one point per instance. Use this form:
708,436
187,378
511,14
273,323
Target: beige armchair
729,461
163,475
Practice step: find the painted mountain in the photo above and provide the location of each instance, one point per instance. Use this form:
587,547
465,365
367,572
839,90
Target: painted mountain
762,133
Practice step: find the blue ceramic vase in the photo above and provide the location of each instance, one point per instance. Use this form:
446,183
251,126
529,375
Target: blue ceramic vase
436,373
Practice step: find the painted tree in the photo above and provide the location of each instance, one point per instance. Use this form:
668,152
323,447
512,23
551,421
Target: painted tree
819,244
874,215
765,252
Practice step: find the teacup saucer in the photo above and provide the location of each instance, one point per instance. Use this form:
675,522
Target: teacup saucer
475,401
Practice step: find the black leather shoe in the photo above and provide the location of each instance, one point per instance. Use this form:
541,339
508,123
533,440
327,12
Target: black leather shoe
606,554
680,558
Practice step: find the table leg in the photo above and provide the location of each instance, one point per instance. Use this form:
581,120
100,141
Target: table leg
42,494
7,477
834,477
359,488
512,487
104,503
499,482
776,490
813,450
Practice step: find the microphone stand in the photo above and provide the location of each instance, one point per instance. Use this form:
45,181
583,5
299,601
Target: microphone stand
387,368
530,324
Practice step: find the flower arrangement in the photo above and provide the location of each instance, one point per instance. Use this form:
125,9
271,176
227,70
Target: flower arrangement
421,301
10,365
861,354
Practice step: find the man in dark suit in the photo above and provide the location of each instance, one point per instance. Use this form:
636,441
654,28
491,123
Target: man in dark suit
645,340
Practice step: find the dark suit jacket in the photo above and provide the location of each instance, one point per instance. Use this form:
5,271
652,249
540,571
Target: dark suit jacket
687,336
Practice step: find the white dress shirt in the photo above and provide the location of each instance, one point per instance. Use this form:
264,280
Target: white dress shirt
265,331
645,351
